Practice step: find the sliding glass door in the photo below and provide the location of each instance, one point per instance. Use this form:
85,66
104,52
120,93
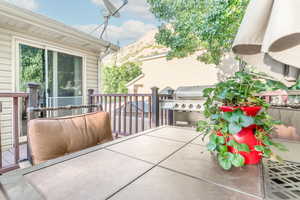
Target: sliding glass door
59,74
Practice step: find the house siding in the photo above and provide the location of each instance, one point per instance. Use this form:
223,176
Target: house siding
7,77
6,85
92,72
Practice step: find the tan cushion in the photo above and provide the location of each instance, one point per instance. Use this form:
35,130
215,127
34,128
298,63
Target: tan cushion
52,138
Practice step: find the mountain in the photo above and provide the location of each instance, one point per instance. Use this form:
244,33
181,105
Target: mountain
146,46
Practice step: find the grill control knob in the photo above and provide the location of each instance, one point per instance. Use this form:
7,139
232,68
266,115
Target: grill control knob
176,105
191,106
198,106
183,106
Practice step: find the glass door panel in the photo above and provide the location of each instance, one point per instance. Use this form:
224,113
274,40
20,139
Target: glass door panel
64,79
31,69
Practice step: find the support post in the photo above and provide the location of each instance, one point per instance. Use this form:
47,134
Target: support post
90,99
171,112
33,102
155,107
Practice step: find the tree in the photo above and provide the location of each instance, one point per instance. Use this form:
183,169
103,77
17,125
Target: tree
191,25
116,77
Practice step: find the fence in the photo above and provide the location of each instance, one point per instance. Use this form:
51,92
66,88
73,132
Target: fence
132,113
11,164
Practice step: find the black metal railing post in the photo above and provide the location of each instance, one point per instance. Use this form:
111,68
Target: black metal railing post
155,106
171,112
90,99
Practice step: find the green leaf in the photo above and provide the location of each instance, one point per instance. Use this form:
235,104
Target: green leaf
267,141
238,160
201,126
215,117
220,140
213,138
211,146
232,143
228,155
223,94
225,162
267,153
202,123
207,91
234,128
259,148
235,118
222,148
238,146
224,129
227,116
246,121
243,147
275,85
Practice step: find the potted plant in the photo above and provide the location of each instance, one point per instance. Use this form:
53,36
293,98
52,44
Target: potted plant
238,126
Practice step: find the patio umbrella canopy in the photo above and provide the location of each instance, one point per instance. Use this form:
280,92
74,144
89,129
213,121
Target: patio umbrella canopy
269,37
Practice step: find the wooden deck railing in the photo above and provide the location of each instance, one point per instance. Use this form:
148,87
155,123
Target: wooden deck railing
129,113
132,113
15,130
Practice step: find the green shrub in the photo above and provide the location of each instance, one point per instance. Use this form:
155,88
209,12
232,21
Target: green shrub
115,78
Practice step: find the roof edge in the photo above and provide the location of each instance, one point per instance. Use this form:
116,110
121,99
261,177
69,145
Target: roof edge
43,21
135,80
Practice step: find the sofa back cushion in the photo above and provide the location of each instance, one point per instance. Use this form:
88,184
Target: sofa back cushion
52,138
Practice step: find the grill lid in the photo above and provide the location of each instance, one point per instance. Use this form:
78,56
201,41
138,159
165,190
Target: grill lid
167,91
191,92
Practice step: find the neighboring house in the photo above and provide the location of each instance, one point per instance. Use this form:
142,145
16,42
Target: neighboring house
70,59
188,71
162,73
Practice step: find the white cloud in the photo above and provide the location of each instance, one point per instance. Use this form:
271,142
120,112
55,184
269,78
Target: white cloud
139,8
28,4
127,32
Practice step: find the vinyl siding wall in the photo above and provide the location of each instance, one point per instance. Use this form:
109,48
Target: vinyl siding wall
7,71
6,85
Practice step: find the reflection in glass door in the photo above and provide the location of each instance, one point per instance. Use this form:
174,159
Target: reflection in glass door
31,69
64,85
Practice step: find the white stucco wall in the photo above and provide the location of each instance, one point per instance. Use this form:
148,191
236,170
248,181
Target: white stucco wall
188,71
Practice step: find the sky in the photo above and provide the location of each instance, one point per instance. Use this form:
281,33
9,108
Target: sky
86,15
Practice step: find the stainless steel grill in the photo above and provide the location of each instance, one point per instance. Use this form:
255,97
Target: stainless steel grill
187,105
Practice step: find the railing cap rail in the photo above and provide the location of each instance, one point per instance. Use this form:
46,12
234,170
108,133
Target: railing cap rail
120,95
14,94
